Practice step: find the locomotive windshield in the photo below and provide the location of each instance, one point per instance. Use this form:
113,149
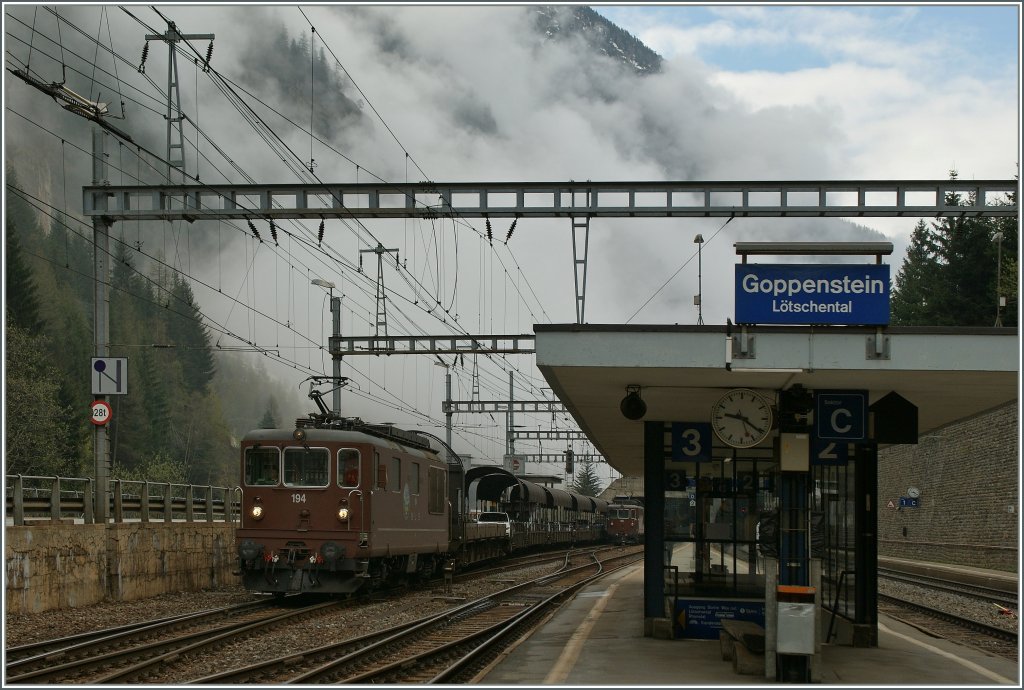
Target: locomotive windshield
262,466
305,467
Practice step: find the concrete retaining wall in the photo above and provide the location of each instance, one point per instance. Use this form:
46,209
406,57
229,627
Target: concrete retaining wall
61,565
968,509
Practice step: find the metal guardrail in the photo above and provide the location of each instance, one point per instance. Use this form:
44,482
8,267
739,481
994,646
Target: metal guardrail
57,498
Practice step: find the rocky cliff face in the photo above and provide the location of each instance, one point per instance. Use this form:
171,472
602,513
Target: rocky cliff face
561,23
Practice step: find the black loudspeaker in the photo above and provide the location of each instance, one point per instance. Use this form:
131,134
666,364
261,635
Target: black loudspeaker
895,419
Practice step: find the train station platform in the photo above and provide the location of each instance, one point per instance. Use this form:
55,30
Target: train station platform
596,639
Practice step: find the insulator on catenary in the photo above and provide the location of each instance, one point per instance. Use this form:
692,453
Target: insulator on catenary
255,232
510,230
489,234
145,54
209,54
273,230
320,235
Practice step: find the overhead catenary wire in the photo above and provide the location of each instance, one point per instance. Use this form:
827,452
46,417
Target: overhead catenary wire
409,278
684,264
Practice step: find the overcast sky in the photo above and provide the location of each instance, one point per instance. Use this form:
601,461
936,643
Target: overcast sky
463,93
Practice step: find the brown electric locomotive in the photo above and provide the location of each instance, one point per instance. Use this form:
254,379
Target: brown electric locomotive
625,521
336,503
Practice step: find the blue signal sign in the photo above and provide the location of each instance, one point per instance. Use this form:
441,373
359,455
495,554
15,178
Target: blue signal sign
840,415
691,441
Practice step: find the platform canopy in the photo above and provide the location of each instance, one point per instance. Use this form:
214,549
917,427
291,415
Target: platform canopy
949,374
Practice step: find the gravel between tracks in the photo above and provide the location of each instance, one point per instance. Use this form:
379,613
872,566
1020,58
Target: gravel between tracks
26,628
316,631
964,605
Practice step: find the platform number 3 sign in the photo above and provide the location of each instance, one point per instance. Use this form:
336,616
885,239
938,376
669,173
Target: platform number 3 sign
691,441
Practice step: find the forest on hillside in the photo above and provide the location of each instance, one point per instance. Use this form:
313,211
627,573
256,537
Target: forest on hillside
187,403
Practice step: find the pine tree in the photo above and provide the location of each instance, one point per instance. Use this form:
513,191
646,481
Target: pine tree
914,292
587,483
269,420
948,277
37,446
20,297
188,331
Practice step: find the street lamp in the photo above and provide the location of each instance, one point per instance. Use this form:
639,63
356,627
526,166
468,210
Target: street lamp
998,239
699,241
336,332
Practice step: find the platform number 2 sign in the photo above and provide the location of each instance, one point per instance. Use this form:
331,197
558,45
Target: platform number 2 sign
691,441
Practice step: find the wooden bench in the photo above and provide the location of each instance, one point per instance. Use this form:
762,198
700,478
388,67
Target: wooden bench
742,642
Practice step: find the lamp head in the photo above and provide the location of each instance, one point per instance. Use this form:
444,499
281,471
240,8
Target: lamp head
699,239
323,283
632,406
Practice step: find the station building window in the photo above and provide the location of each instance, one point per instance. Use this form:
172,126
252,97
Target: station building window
711,525
833,502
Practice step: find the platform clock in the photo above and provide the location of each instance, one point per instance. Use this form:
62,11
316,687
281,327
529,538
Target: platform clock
742,418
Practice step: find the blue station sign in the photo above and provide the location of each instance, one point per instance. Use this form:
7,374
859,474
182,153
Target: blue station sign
845,294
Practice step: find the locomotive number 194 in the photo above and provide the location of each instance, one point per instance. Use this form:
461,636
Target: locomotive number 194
298,498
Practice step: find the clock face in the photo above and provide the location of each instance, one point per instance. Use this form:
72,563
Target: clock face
914,492
742,418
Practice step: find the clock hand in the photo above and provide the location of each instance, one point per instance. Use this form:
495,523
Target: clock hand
745,421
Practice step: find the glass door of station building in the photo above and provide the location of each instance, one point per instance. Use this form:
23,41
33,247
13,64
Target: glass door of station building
712,522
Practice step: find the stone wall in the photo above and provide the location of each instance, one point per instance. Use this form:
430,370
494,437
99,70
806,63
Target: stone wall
968,511
62,565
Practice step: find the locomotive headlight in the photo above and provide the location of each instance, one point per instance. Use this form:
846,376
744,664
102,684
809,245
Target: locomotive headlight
343,513
256,512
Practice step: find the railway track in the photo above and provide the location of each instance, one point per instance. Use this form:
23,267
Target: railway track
438,648
956,628
123,653
155,649
992,594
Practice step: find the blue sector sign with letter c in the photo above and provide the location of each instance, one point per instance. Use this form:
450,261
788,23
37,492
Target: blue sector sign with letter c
846,294
840,415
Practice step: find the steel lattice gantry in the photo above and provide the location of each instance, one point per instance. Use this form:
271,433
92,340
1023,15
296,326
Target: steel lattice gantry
485,406
852,198
550,435
578,201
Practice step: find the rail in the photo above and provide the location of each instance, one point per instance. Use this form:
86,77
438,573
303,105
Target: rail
72,498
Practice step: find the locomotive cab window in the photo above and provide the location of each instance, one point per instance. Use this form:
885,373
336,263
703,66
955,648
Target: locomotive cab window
435,490
305,467
395,475
348,467
414,477
262,466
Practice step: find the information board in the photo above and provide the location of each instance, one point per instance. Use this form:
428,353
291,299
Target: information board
702,618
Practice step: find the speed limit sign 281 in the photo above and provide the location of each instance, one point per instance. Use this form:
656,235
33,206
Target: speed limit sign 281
100,412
